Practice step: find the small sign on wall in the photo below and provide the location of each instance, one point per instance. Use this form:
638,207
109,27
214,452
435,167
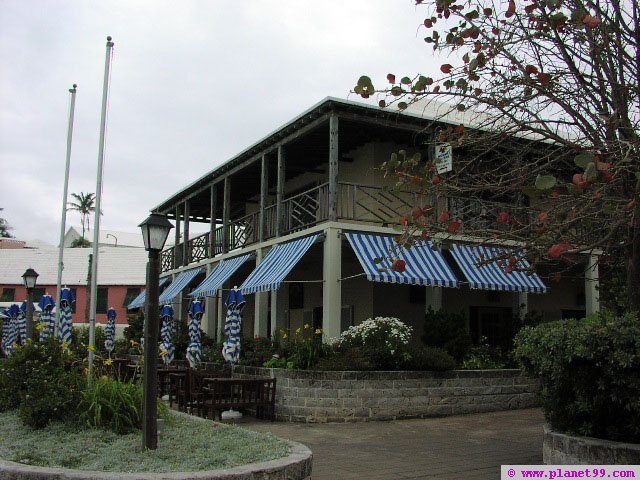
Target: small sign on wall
443,157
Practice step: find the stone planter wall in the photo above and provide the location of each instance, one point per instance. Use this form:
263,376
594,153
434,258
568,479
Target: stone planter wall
317,396
563,449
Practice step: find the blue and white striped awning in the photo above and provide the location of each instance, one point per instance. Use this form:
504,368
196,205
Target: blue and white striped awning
218,276
178,285
424,266
490,276
138,302
276,265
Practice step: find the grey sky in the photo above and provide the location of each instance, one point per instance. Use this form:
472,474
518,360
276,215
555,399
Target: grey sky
193,83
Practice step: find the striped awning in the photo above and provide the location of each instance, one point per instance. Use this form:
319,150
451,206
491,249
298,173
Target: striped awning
492,276
218,276
138,302
424,265
178,285
276,265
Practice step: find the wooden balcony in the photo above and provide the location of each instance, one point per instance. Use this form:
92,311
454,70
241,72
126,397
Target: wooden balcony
356,203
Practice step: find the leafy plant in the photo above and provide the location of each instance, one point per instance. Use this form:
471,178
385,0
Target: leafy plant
42,382
112,404
447,330
427,358
590,371
483,357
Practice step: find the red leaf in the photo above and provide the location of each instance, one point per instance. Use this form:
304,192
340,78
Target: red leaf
436,89
503,218
555,194
531,69
511,10
428,23
444,217
453,227
543,216
508,269
382,104
577,179
558,249
629,205
404,221
446,68
603,166
435,180
544,78
391,77
591,22
399,265
417,213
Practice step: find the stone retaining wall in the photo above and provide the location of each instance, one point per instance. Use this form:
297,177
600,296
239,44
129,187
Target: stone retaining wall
317,396
563,449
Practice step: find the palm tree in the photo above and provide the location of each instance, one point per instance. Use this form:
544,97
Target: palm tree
4,227
85,205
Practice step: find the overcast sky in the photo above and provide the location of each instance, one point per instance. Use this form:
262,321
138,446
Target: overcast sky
193,83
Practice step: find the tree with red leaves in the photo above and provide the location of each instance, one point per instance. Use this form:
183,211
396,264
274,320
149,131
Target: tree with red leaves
540,101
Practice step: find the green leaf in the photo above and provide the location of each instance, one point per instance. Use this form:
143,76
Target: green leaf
402,105
377,260
591,171
532,192
582,160
472,14
405,80
364,81
545,182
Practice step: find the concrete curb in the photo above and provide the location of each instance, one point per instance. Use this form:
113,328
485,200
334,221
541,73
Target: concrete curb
296,466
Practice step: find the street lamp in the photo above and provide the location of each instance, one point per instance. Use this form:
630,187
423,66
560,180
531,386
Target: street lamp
30,276
155,230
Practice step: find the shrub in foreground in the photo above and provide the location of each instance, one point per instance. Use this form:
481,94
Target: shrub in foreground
40,380
427,358
590,371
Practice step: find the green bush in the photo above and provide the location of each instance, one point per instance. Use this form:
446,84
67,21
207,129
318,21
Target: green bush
80,341
42,382
256,351
427,358
590,372
112,404
346,359
483,357
447,330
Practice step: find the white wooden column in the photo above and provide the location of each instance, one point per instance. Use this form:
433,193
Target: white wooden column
520,304
226,206
331,287
185,243
333,167
433,299
280,191
261,306
210,310
592,285
220,313
274,311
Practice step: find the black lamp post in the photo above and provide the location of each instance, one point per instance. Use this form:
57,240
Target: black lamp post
155,231
30,276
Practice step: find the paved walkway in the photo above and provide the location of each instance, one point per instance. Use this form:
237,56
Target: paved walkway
466,447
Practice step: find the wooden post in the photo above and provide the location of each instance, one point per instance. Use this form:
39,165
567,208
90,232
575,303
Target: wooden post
176,260
225,215
186,253
333,167
264,189
214,215
280,191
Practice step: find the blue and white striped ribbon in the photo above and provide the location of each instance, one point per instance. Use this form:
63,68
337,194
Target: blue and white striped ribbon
167,332
65,329
110,334
194,350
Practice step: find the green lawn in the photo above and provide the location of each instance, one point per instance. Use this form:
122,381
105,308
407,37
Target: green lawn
186,444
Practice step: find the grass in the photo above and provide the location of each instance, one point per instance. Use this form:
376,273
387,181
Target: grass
186,444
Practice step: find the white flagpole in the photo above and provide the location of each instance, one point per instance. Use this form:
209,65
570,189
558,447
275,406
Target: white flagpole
63,221
96,222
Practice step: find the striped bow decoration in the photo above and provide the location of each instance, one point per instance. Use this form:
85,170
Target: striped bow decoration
110,331
232,326
194,350
167,333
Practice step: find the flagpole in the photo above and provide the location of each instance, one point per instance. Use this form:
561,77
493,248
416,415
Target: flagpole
96,222
63,221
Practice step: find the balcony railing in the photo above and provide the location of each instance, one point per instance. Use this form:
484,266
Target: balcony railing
355,203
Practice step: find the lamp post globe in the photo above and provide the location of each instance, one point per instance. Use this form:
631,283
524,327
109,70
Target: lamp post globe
155,230
30,276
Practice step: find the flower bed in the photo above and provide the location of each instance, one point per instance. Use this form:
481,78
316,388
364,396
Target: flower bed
323,396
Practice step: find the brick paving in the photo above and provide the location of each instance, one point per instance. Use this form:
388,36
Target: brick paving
465,447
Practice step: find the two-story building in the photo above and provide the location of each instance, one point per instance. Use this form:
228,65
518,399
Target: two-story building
298,219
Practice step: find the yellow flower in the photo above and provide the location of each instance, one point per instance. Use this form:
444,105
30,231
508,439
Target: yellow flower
91,348
164,353
15,345
306,326
134,343
318,331
65,345
297,331
85,370
40,325
284,335
108,361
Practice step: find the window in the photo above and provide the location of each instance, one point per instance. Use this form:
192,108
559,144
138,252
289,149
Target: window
73,304
296,295
132,293
8,295
37,294
417,294
103,300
